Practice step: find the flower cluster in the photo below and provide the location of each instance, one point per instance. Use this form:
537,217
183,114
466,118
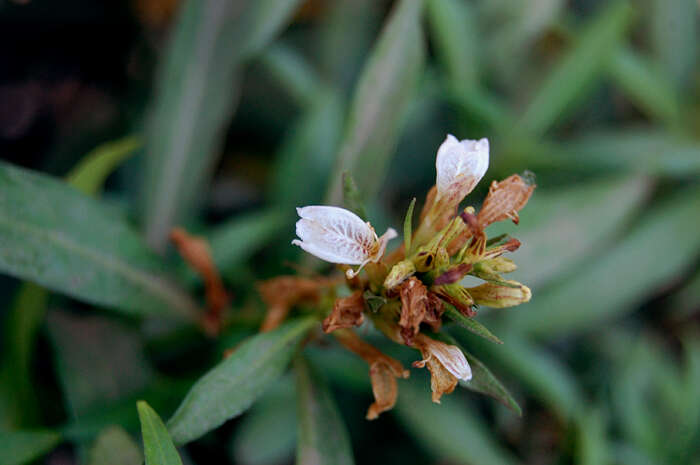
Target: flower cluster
406,293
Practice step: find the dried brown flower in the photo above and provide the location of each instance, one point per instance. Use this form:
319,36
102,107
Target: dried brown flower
504,200
347,312
282,293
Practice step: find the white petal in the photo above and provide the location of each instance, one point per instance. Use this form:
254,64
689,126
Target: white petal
383,241
334,234
460,165
452,358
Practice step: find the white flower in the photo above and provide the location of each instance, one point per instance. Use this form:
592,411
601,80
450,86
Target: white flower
451,357
337,235
460,166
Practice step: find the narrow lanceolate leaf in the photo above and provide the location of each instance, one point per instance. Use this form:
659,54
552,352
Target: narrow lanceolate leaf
57,237
20,447
114,446
657,250
482,381
196,97
233,385
323,439
674,38
91,173
352,199
470,324
158,446
381,99
578,69
408,227
449,431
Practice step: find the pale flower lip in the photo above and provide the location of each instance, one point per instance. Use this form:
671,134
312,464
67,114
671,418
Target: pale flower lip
451,357
339,236
460,166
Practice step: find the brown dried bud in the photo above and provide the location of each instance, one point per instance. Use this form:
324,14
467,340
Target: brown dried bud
383,371
347,312
504,200
453,275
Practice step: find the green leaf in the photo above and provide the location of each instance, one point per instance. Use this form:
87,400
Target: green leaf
483,381
291,70
449,431
98,360
408,227
114,446
233,385
659,247
158,446
381,99
592,444
352,200
560,228
674,38
20,447
470,324
570,78
90,174
647,87
307,153
268,432
197,87
69,243
322,435
453,28
546,378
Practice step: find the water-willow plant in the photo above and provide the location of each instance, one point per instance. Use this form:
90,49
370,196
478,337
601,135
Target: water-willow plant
406,293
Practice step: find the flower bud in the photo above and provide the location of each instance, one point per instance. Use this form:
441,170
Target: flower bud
509,294
456,295
399,273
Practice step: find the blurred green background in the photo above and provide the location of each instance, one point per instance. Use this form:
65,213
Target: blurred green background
224,115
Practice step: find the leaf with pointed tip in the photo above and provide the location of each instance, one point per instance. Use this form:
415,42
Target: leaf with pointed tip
55,236
323,439
90,174
408,227
234,384
157,444
470,324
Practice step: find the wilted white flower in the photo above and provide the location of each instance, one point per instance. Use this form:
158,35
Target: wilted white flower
337,235
451,357
460,166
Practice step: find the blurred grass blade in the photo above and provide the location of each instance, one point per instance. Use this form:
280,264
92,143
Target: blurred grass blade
52,235
237,240
234,384
644,85
21,447
449,431
546,378
21,326
674,38
470,324
352,199
196,96
114,446
290,69
307,153
98,360
568,225
158,446
90,174
381,100
574,73
267,434
659,247
323,439
592,447
453,29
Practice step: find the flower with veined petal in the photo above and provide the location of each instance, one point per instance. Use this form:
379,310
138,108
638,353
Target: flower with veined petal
339,236
460,166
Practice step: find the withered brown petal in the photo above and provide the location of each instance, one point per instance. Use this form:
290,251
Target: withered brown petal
347,312
504,200
414,305
280,294
384,388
